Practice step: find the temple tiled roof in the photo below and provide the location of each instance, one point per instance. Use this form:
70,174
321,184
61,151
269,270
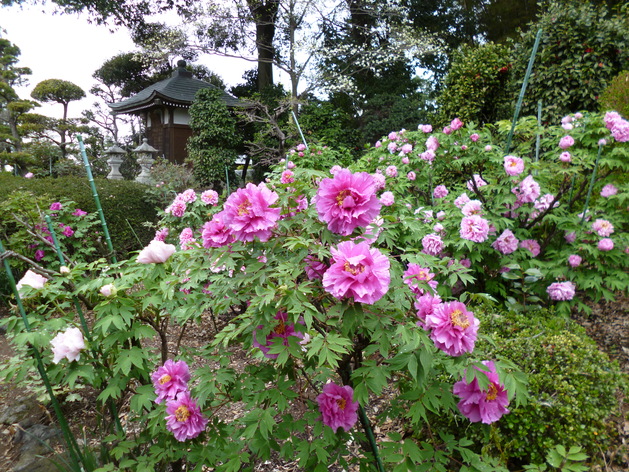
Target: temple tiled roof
176,91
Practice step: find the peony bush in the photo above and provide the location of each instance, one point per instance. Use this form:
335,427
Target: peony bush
352,292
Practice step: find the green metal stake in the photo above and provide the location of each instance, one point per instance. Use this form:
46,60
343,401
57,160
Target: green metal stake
90,178
227,180
538,138
523,89
587,198
303,140
372,440
73,447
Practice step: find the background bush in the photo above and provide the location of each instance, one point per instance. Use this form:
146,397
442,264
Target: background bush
126,205
616,96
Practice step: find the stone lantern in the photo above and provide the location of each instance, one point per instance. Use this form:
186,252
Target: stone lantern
145,154
116,156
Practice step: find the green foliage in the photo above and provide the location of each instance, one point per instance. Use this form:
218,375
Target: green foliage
58,91
475,87
317,157
125,204
582,49
213,146
616,96
322,122
168,180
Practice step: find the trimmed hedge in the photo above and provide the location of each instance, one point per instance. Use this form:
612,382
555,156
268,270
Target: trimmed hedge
126,204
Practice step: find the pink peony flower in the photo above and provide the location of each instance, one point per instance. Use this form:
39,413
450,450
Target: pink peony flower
380,180
209,197
177,208
566,142
506,243
427,156
337,406
425,128
32,279
184,418
574,260
187,196
405,160
456,124
161,234
39,255
479,183
609,190
411,176
513,165
56,206
67,344
472,207
108,290
347,201
248,213
406,148
432,244
532,246
28,175
358,271
215,233
602,227
156,252
488,148
67,231
79,212
565,157
570,237
282,330
440,191
425,305
432,144
186,239
447,130
170,380
605,244
461,200
453,328
486,406
314,268
619,128
392,136
561,291
391,171
288,177
414,274
387,198
474,137
528,191
474,228
392,147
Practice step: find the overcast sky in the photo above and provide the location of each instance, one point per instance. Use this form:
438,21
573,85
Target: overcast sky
67,47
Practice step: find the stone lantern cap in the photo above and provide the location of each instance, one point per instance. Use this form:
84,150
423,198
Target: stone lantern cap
145,147
115,149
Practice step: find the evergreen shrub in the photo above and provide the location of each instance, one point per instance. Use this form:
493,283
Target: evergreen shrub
616,96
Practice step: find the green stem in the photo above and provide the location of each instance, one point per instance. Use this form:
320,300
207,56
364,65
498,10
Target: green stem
592,178
90,178
73,447
518,106
372,440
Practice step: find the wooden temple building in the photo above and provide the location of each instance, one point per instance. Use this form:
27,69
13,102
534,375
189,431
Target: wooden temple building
164,107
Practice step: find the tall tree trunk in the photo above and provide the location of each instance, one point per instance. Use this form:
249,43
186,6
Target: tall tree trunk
264,13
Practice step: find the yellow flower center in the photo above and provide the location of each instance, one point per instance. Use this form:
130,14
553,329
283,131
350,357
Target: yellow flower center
280,328
243,208
182,413
492,393
352,269
459,319
164,378
341,403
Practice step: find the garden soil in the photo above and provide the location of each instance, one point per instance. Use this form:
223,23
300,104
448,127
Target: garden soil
608,325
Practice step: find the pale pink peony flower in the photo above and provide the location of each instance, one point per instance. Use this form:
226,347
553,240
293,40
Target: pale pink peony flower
187,196
387,198
479,183
488,148
427,156
559,291
392,147
605,244
608,190
411,176
32,279
391,171
474,137
347,201
215,233
574,260
209,197
357,272
406,148
282,330
461,200
440,191
108,290
156,252
405,160
532,246
456,124
528,191
248,213
454,329
425,305
570,237
67,344
447,130
474,228
186,239
566,142
28,175
432,144
432,244
603,227
380,180
486,406
415,274
161,234
506,243
392,136
184,418
441,215
288,177
170,380
177,208
513,165
472,207
337,406
565,157
425,128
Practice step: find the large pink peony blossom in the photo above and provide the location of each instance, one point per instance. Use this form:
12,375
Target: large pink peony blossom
32,279
282,330
184,418
561,291
215,233
474,228
453,328
506,243
156,252
170,380
209,197
67,344
608,190
528,191
347,201
425,305
532,245
248,213
605,244
432,244
574,260
603,227
486,405
566,142
337,406
357,272
513,165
